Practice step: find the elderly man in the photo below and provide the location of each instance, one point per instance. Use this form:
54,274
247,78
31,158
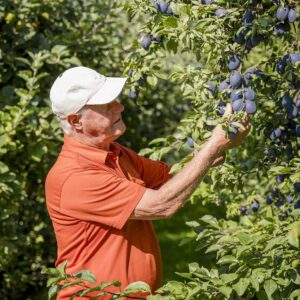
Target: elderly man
102,196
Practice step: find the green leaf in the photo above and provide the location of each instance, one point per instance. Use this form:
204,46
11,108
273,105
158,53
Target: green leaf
3,168
62,268
138,286
226,291
241,286
86,275
244,237
227,259
259,274
52,293
270,287
54,280
110,283
210,220
294,234
295,293
51,271
228,277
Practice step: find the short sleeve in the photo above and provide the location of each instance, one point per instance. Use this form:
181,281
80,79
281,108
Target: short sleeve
154,173
100,196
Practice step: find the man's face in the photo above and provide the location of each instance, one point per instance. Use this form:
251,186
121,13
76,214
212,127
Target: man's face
103,123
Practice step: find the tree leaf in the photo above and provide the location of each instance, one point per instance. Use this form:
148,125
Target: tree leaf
241,286
270,287
227,259
210,220
138,286
294,234
226,291
295,293
228,277
86,275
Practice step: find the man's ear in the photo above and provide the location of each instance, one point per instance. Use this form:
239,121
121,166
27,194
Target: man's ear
74,121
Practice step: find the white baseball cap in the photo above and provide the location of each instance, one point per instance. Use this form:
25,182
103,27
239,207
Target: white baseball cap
79,86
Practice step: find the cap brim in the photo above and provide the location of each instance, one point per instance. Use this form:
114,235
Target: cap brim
110,90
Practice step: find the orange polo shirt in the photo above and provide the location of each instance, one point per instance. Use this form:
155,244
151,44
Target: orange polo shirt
90,195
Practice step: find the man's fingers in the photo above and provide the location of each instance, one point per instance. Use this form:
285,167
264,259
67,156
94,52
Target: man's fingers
228,109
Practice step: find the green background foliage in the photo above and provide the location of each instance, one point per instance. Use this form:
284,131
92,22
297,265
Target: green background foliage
230,255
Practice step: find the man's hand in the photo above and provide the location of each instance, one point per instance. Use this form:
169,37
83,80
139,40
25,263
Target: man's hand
219,136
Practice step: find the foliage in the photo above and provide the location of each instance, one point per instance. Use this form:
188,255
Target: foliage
61,280
258,186
39,40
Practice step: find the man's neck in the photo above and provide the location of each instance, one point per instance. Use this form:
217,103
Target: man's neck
93,142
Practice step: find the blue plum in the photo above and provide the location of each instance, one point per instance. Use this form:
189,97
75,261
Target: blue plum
169,11
221,12
146,42
282,13
238,105
255,206
280,178
133,93
233,130
292,16
163,6
190,142
294,57
297,187
279,202
157,38
276,133
286,101
289,199
249,94
250,107
207,2
225,84
234,62
269,200
235,79
297,130
244,210
297,205
221,108
240,37
281,29
236,95
292,111
248,17
211,87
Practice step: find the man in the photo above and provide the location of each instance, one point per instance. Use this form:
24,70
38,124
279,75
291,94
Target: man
102,196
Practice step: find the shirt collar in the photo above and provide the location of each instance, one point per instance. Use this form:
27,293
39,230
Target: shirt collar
93,153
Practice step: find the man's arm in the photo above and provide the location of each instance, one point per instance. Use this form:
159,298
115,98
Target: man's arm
164,202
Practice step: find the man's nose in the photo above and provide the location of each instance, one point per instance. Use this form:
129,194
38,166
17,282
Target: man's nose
117,107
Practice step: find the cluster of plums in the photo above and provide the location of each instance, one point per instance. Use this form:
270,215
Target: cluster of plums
241,95
286,16
288,62
148,39
162,7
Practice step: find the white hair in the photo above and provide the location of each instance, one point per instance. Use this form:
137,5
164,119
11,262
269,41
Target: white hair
66,126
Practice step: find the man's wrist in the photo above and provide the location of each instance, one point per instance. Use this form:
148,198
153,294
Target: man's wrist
215,146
